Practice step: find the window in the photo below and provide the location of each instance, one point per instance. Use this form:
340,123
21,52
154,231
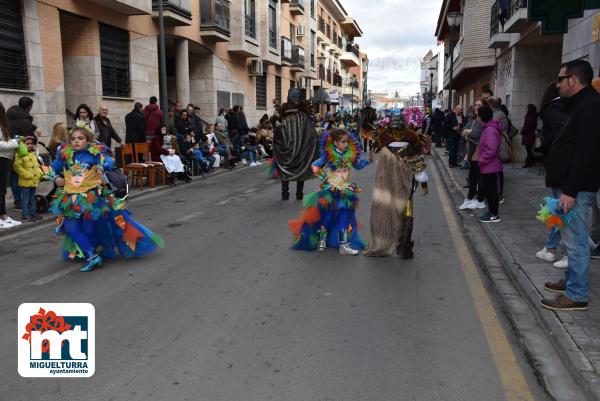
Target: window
312,8
261,91
114,59
277,89
292,84
312,48
250,18
237,99
273,23
223,100
293,33
13,63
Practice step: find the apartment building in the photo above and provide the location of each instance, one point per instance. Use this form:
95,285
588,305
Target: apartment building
218,53
340,63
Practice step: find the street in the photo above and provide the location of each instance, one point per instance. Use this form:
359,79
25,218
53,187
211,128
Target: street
228,312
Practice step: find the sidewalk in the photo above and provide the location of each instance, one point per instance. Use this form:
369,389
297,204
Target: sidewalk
575,335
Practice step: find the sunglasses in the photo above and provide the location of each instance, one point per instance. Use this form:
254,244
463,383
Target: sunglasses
561,77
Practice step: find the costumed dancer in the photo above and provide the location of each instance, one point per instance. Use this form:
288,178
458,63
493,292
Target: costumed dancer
400,169
295,144
368,115
330,215
94,222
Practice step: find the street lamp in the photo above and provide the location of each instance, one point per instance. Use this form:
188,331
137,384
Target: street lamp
431,88
352,83
454,20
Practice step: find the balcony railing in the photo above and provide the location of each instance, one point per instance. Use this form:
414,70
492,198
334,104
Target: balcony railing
297,3
353,49
499,16
495,19
329,76
286,50
339,42
514,6
298,56
180,7
214,15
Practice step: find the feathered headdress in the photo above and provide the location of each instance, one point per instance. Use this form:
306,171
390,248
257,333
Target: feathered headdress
553,215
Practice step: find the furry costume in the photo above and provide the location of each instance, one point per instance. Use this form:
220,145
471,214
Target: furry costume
368,115
399,168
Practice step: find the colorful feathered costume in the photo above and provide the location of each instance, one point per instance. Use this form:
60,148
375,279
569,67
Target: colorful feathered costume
399,170
329,219
94,222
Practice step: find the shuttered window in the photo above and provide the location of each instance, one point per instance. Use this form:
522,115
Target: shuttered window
237,98
13,63
277,89
223,100
114,57
261,91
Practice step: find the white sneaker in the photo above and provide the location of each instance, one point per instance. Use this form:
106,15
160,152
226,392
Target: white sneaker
563,263
478,205
244,162
545,255
12,221
253,164
467,204
6,224
258,163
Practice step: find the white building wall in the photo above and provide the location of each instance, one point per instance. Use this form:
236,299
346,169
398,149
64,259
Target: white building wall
577,42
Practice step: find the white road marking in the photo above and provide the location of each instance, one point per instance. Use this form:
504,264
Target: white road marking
250,190
189,216
51,277
223,202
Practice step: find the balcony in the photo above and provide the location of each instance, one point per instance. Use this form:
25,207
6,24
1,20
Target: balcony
351,26
498,38
329,76
127,7
516,17
297,58
286,51
297,7
214,20
175,12
350,57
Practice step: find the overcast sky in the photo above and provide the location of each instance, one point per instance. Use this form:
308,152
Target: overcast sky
397,34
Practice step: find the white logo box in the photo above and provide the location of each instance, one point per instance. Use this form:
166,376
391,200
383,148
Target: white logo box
77,362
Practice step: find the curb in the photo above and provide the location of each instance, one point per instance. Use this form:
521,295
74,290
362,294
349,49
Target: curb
133,195
560,366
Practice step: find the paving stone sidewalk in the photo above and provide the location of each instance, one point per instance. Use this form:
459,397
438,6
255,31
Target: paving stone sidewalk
522,235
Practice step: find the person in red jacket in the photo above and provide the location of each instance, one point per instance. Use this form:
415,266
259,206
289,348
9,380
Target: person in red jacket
153,116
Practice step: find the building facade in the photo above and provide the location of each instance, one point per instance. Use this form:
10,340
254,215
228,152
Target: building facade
219,53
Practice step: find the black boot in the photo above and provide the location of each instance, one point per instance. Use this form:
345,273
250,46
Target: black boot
285,190
299,190
405,244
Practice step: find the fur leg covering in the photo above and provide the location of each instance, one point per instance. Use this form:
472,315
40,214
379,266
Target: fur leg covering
391,192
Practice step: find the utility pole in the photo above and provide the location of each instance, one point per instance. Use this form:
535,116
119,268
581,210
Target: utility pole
164,102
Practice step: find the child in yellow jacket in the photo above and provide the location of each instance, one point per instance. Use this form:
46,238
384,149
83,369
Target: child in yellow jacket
28,169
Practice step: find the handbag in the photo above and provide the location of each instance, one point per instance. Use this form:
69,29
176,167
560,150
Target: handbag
505,152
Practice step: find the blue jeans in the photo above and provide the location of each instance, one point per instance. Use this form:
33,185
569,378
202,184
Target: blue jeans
249,155
575,238
28,207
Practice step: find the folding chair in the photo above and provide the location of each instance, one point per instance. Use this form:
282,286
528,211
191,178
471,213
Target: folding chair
156,169
137,170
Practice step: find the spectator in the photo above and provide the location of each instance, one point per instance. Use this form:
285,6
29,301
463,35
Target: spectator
209,151
234,122
453,126
153,116
183,127
177,109
190,152
7,153
572,172
107,132
501,116
135,125
487,93
196,124
60,136
84,116
28,169
463,144
552,113
224,140
163,151
489,163
20,122
436,122
472,136
528,134
222,119
247,152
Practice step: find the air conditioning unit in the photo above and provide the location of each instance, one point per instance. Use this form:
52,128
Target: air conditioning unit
300,30
256,67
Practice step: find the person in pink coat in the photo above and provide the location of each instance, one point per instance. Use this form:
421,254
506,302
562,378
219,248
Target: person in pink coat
490,164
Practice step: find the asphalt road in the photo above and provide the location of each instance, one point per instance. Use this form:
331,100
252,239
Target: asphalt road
227,312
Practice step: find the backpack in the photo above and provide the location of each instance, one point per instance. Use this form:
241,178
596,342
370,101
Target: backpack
505,152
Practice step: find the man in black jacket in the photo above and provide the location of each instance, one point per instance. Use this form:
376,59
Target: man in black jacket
572,171
135,125
453,126
107,132
20,122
